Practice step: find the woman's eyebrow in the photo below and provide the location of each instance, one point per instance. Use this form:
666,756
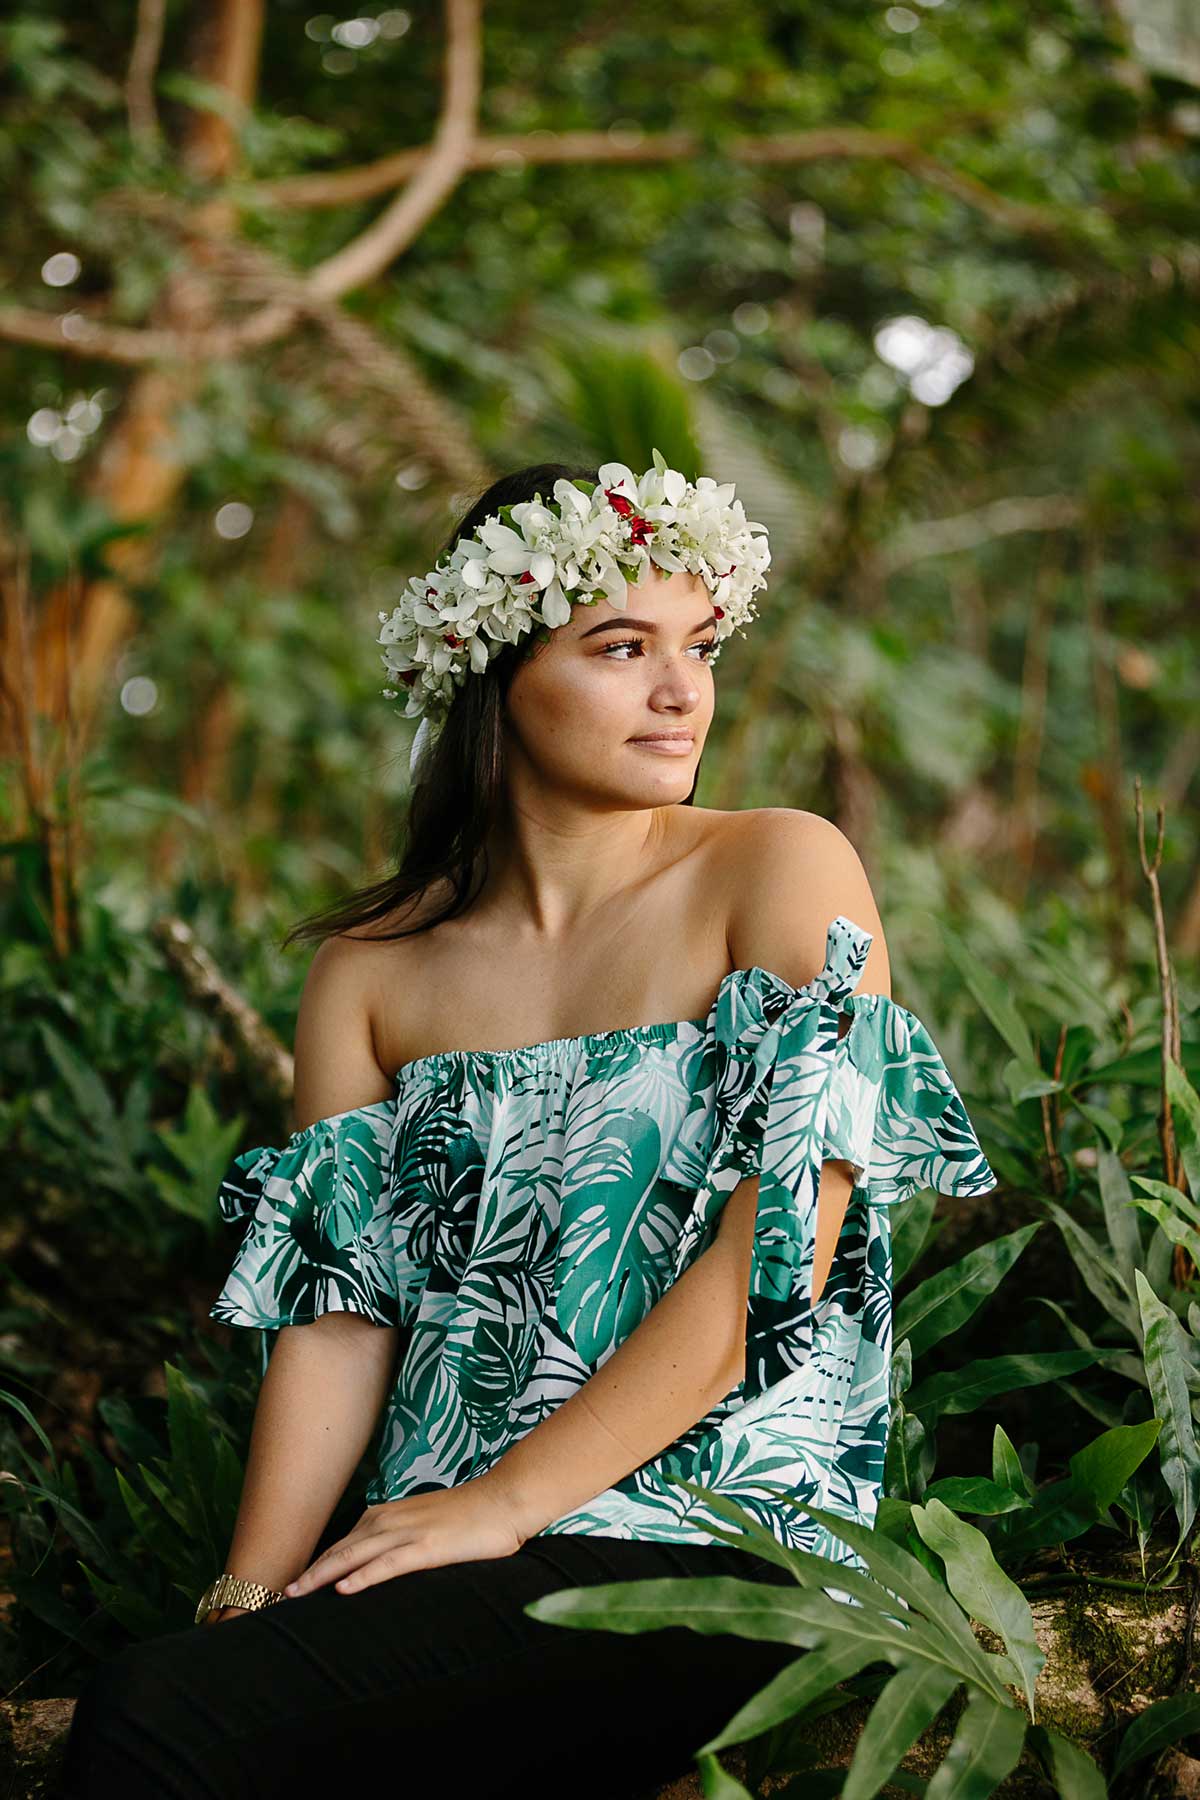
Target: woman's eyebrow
639,625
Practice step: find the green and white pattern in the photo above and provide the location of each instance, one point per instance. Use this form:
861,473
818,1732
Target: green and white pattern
518,1213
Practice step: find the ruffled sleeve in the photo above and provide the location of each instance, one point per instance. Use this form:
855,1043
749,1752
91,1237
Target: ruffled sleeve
894,1111
320,1233
787,1094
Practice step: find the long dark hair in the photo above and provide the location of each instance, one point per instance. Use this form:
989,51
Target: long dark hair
455,800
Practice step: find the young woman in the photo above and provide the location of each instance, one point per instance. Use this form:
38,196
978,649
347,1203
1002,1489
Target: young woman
602,1101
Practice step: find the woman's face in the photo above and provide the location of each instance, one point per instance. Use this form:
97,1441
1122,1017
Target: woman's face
580,711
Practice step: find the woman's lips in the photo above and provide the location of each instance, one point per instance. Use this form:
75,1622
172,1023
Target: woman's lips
667,746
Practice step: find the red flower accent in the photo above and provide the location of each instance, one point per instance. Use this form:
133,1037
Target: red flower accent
719,611
408,676
525,576
453,641
618,502
432,591
640,530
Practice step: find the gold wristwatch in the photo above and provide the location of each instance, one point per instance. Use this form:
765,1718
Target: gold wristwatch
232,1590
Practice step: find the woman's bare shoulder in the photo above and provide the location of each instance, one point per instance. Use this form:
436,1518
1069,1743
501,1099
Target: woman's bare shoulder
752,831
768,820
806,873
358,960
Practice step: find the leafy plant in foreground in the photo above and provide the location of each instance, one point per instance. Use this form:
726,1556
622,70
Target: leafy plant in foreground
894,1611
1132,1284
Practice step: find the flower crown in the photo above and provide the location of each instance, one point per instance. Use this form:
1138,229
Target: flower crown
527,564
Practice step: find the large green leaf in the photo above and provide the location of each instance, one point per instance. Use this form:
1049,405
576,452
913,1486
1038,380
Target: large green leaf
795,1687
1119,1215
1172,1211
1122,1362
974,1494
904,1575
1178,1716
714,1604
986,1747
945,1301
1185,1115
1069,1767
902,1472
982,1588
995,997
1007,1467
1102,1467
962,1390
1166,1366
1097,1267
907,1706
1066,1508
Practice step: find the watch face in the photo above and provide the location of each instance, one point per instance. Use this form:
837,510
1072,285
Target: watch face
205,1605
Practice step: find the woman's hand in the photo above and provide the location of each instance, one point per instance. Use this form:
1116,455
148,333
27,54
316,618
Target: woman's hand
463,1524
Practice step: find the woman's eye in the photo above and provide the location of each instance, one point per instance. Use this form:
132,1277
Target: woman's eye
708,646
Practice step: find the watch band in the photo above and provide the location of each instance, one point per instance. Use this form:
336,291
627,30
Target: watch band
234,1590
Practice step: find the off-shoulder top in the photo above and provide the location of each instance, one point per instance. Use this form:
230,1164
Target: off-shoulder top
518,1213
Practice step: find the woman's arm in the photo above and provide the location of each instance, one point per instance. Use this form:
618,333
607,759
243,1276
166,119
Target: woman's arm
684,1356
320,1400
326,1381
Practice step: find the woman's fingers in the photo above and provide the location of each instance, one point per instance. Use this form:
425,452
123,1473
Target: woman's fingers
338,1561
401,1559
421,1531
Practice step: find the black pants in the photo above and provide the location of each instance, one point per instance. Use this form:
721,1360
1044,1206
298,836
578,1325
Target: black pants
431,1682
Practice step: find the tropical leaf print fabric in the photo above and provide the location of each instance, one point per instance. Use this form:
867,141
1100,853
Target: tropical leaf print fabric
319,1240
518,1213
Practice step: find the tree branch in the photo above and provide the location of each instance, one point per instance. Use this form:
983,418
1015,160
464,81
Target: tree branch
442,166
824,144
139,81
80,334
968,530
